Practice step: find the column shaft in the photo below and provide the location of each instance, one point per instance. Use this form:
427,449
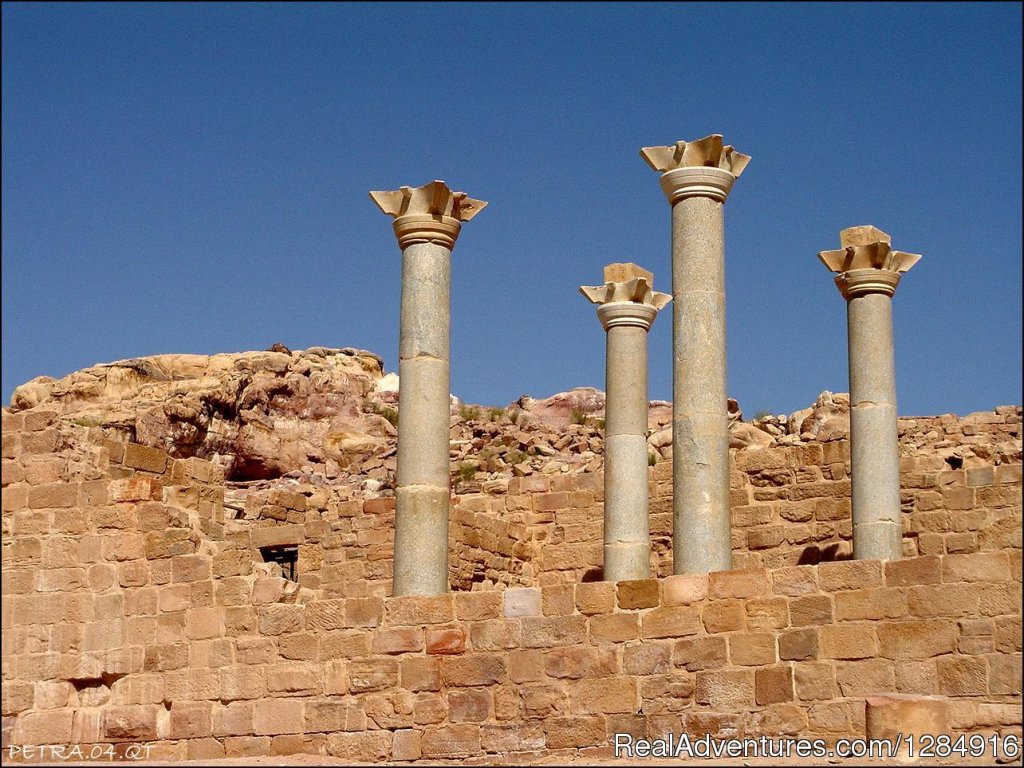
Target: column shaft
874,438
421,516
700,423
626,529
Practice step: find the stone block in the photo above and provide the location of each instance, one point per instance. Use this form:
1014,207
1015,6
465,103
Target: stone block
134,488
867,677
542,701
698,653
294,678
574,732
364,611
581,661
879,603
685,589
798,645
982,566
553,631
406,745
366,747
190,720
723,616
145,458
400,640
478,606
752,649
767,613
597,597
525,666
558,600
739,584
421,674
321,615
850,574
278,716
728,689
44,727
522,601
913,571
450,741
614,628
367,675
913,640
900,716
131,723
446,641
234,719
473,670
810,610
675,621
773,685
647,659
473,705
848,641
610,695
495,634
53,495
416,610
963,676
814,681
632,595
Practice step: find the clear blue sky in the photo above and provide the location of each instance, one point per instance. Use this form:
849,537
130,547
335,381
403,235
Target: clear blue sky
194,178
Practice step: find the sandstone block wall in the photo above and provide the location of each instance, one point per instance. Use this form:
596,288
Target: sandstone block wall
137,607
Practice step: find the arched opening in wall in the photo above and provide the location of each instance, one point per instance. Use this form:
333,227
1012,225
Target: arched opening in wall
286,556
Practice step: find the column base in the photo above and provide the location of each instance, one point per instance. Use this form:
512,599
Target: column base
878,541
627,561
421,541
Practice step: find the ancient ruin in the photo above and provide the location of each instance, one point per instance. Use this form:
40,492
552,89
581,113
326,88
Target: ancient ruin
239,555
697,177
627,306
427,223
869,271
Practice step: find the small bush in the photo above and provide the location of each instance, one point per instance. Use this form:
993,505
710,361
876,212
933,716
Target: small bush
515,456
469,412
466,471
513,416
652,458
578,416
495,414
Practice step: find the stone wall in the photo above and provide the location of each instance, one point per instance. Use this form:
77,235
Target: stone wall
137,608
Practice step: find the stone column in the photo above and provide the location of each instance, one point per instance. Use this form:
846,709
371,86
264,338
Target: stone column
627,306
427,222
869,271
696,177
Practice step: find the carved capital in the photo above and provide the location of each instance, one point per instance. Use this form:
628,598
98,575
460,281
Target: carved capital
627,297
867,262
702,168
432,213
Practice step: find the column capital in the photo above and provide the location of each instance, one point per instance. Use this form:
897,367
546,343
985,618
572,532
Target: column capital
432,213
626,298
867,263
701,168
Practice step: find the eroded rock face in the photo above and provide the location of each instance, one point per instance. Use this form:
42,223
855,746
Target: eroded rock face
328,417
258,414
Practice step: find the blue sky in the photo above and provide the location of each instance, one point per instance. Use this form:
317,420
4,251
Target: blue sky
194,178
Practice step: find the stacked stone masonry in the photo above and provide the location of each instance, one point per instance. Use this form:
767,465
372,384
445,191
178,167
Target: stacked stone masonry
136,608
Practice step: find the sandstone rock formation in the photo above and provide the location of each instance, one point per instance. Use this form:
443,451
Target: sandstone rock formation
327,417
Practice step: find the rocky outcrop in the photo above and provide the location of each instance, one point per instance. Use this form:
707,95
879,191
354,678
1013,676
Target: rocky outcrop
258,414
329,416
